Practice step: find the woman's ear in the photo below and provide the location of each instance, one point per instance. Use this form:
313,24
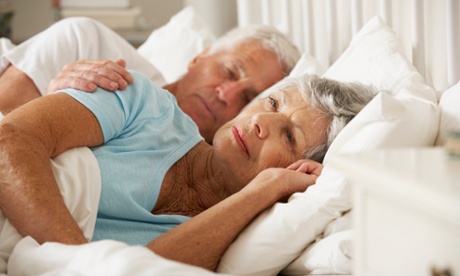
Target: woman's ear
197,57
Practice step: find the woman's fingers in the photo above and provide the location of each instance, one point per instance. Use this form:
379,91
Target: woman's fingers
306,166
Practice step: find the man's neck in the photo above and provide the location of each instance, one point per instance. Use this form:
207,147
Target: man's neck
172,87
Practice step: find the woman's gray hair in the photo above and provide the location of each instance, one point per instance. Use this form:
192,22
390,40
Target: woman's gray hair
269,38
340,101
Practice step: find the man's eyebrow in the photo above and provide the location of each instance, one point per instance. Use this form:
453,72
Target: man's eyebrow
241,68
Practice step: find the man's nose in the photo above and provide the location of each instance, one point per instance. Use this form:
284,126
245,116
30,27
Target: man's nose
229,92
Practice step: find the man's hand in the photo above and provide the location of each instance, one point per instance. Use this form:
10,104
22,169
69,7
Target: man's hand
87,75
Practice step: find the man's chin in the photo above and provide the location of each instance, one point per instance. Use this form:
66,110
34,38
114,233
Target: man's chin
208,138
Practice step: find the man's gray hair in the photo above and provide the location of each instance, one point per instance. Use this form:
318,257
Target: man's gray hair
340,101
269,38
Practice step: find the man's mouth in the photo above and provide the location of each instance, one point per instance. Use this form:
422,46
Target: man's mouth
208,108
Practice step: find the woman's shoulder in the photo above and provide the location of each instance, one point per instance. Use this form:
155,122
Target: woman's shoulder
143,98
146,88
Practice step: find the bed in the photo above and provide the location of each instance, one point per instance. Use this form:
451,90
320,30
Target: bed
407,48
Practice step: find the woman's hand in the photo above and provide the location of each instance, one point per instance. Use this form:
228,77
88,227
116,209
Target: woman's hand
307,166
87,75
203,239
281,183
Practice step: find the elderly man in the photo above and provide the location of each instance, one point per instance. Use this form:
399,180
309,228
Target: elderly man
219,81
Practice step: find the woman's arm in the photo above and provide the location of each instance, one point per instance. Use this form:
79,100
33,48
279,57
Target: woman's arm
29,137
202,240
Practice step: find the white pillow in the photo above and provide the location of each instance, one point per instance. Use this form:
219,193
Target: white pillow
331,253
307,64
450,113
171,47
408,116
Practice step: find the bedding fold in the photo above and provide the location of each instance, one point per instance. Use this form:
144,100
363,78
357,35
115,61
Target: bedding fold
77,174
106,257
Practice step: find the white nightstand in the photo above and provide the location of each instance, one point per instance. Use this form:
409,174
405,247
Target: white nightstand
406,211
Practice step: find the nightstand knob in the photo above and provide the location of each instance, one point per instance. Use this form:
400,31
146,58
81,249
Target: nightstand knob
436,271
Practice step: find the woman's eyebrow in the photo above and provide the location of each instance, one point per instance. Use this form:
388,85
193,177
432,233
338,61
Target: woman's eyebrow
301,130
297,125
283,96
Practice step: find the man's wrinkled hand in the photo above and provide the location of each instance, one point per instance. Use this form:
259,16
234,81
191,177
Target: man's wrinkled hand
87,75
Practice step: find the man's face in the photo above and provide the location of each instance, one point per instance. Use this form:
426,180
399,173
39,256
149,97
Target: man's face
217,86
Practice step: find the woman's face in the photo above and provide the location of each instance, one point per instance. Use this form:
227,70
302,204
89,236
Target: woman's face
273,132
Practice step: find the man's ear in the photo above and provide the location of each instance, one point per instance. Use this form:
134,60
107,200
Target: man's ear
197,57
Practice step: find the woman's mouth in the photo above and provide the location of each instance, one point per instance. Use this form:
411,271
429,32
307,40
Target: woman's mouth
240,138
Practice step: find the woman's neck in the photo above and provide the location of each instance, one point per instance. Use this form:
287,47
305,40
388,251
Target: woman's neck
194,183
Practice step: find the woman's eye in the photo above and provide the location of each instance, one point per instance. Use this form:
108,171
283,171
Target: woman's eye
273,103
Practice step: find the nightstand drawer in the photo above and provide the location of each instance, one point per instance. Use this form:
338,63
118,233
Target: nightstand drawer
406,211
402,240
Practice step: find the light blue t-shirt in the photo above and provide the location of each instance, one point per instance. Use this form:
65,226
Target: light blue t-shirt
145,133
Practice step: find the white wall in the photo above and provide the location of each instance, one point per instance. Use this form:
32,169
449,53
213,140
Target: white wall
220,15
33,16
30,17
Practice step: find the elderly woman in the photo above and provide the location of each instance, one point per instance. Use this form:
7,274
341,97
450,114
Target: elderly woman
157,171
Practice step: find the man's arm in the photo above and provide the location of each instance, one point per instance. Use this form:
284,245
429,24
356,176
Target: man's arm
29,137
202,240
16,89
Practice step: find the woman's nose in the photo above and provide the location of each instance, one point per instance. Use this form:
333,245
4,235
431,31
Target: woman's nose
261,124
